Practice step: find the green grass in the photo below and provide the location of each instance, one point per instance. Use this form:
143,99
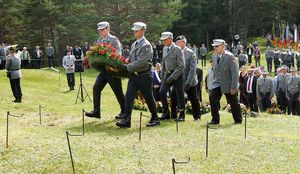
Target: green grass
272,146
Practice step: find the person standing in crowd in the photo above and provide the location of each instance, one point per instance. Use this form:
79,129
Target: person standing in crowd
225,81
13,65
203,53
67,49
155,56
283,56
257,56
290,58
298,59
25,58
50,53
292,92
242,76
159,48
77,52
156,81
269,40
69,65
142,79
250,89
242,59
265,90
190,78
172,75
282,86
269,58
104,77
199,73
277,58
37,55
85,48
250,51
276,84
2,56
195,49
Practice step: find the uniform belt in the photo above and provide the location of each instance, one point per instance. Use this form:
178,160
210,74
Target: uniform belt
141,72
13,69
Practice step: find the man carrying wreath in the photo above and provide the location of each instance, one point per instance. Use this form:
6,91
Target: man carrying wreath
105,77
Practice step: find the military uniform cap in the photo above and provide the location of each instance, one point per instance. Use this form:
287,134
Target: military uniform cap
139,26
181,37
217,42
264,72
284,67
166,35
102,25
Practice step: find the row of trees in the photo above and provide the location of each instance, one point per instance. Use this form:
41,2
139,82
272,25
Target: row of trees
63,22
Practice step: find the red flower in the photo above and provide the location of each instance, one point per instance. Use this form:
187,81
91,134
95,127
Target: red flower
99,44
113,50
101,52
109,46
113,55
104,43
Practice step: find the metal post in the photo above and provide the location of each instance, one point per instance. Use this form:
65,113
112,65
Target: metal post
82,99
140,135
245,125
177,126
176,162
73,167
40,113
173,165
7,129
206,140
83,121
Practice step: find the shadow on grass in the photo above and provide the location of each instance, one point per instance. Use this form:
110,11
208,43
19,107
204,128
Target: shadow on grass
110,128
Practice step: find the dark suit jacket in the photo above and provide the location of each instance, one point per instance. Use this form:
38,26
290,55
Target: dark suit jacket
253,85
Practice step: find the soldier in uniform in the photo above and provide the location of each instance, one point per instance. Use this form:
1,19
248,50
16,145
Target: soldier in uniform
269,58
13,65
265,90
104,77
172,75
292,92
277,58
203,53
225,81
282,87
69,65
290,58
242,59
142,79
190,78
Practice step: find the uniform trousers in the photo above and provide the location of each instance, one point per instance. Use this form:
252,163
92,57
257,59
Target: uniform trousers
178,87
283,101
269,64
71,79
143,83
116,85
203,60
15,85
265,100
252,102
294,104
214,99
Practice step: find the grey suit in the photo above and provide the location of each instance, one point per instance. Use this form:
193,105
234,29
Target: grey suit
173,65
265,91
142,78
282,87
113,40
13,65
293,94
225,78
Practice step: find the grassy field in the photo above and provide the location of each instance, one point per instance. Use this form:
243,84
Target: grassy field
272,145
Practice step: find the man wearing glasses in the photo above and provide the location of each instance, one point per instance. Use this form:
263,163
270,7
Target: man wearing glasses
104,77
225,81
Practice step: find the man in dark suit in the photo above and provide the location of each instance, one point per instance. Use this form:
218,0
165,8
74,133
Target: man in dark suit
104,77
225,81
77,52
140,65
85,49
250,89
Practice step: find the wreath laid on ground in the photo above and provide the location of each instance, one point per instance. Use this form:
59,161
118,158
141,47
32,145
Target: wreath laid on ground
204,108
104,57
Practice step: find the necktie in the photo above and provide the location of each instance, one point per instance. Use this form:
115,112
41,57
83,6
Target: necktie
136,43
249,85
218,60
168,50
292,78
264,79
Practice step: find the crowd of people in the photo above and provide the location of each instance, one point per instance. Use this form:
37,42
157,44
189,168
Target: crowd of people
168,69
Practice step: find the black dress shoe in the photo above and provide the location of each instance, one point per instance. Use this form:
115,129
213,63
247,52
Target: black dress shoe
165,117
213,123
125,123
120,116
93,114
237,122
153,123
173,116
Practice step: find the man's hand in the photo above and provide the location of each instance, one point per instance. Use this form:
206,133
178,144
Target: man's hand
156,86
169,80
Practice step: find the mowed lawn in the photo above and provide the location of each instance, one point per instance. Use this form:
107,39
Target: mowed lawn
272,144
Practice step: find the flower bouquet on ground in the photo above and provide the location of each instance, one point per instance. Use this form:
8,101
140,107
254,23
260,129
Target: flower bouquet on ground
204,108
274,108
139,105
104,57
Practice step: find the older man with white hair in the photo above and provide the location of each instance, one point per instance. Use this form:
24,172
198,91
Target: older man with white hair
225,81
